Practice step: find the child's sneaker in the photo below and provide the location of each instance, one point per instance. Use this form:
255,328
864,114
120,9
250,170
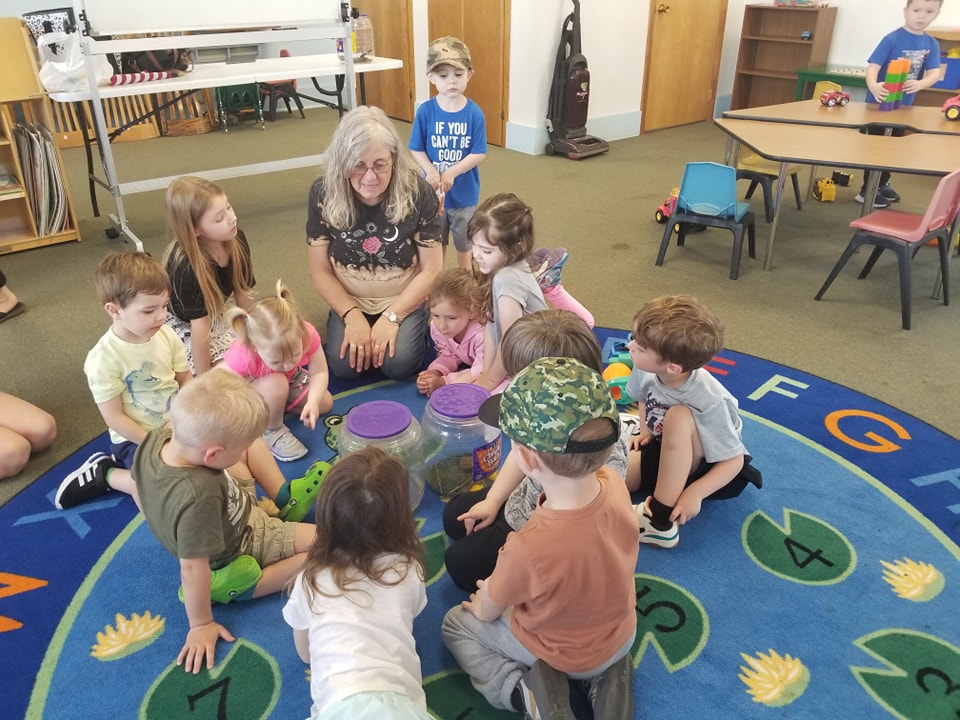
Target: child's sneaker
87,482
284,444
879,201
543,694
303,492
653,536
548,263
234,581
611,692
889,194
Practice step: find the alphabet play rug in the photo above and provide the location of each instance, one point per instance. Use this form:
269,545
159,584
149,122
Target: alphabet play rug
833,592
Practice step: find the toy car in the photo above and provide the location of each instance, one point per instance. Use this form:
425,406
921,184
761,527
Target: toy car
834,97
951,108
667,206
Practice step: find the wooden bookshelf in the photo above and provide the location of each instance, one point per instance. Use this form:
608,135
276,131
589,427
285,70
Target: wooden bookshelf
23,101
773,45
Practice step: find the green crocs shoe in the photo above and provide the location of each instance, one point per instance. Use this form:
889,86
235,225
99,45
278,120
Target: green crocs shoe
234,581
303,492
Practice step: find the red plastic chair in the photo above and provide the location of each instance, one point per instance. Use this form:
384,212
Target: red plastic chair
274,90
905,233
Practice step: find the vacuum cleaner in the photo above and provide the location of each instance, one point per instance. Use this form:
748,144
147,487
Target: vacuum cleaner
570,96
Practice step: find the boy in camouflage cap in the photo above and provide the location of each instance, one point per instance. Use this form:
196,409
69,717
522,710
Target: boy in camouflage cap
559,605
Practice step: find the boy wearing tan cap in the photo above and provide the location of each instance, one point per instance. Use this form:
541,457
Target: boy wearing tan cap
449,139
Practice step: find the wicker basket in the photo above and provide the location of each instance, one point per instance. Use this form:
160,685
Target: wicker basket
190,115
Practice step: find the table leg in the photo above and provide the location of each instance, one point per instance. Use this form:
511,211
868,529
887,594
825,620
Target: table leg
777,197
78,108
870,191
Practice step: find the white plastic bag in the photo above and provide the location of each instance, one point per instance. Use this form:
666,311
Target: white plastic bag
66,71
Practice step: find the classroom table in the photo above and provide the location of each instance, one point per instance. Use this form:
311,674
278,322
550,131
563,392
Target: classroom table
206,76
913,118
918,153
849,75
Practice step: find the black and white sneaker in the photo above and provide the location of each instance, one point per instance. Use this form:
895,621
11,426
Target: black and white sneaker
87,482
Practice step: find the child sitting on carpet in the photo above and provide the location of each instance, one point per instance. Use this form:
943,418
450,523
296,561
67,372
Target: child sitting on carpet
690,446
134,371
560,603
501,231
280,354
479,521
209,263
455,331
208,516
352,608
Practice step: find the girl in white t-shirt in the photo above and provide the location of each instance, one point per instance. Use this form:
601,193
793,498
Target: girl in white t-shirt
352,608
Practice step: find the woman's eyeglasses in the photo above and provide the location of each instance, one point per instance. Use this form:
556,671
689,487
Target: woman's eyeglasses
380,167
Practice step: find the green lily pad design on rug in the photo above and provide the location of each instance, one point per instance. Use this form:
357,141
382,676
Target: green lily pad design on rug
246,683
921,680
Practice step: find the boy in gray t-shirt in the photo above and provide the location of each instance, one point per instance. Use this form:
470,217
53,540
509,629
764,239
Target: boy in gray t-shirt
689,445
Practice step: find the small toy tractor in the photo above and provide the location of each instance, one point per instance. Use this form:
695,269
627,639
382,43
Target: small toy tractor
824,190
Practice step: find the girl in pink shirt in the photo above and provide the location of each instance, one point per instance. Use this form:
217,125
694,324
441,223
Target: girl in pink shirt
281,355
455,330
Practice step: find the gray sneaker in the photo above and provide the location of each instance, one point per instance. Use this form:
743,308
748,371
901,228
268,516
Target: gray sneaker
611,692
545,694
284,444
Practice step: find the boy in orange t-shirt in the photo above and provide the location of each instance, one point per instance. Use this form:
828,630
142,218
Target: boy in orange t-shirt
559,604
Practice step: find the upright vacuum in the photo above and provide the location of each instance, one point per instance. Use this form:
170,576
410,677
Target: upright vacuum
570,96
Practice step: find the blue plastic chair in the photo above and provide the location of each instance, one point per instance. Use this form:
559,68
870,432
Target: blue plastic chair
708,197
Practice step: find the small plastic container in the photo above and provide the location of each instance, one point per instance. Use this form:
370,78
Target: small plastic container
459,449
390,426
361,38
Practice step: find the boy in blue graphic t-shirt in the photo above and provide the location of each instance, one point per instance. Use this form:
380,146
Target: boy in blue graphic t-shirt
449,139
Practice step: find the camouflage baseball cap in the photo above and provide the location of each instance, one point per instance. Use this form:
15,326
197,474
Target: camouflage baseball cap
549,399
448,51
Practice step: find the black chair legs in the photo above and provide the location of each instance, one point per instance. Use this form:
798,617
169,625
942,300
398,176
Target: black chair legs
683,223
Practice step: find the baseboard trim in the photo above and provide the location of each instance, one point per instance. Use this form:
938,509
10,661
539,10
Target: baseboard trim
533,140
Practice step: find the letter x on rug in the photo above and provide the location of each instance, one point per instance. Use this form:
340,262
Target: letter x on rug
833,592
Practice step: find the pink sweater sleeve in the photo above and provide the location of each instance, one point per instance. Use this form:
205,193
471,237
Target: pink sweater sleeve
446,361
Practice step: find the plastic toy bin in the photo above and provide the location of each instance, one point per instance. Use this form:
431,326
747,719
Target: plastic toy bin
951,73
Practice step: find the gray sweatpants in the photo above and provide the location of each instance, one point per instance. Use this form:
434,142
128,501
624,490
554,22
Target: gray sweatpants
493,657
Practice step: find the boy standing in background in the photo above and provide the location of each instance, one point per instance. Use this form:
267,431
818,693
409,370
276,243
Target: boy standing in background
923,52
449,140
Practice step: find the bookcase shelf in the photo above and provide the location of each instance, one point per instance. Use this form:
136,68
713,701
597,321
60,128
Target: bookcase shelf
24,104
773,46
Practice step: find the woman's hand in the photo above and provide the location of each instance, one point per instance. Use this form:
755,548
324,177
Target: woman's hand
356,345
383,340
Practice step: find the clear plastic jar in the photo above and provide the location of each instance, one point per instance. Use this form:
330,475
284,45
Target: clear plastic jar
390,426
361,38
459,449
363,28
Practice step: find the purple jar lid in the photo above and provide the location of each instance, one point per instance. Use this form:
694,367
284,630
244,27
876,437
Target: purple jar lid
459,401
378,419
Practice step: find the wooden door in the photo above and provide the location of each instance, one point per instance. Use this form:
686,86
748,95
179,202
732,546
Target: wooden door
684,44
391,90
484,25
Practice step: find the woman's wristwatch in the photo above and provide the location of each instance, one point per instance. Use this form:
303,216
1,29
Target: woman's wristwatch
392,317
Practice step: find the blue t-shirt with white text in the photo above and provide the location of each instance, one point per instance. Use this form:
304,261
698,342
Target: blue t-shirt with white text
447,138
